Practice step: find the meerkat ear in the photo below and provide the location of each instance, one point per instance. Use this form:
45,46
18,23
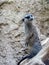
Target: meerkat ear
23,19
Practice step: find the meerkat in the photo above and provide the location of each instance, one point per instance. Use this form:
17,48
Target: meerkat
31,37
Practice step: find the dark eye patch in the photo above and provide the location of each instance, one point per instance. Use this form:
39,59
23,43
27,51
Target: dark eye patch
27,17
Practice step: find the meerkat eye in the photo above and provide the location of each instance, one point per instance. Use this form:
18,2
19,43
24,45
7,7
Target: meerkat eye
27,17
31,15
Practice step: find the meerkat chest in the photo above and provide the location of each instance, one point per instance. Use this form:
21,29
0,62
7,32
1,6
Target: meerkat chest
28,29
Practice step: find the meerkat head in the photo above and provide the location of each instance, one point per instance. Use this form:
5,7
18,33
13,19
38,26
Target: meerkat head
28,18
